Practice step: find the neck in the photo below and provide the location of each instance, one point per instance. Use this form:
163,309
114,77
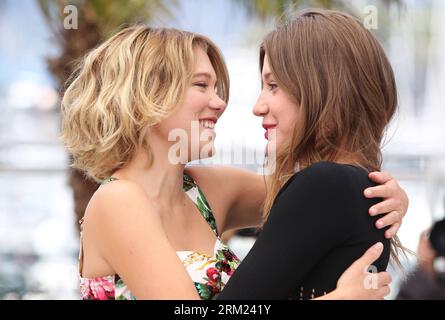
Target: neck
161,181
347,159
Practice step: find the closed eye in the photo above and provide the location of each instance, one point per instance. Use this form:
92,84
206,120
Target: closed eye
201,84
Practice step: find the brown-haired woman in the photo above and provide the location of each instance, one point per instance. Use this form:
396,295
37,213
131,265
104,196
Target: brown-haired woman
328,92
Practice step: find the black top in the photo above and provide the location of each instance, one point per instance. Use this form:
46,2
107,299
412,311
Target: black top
318,226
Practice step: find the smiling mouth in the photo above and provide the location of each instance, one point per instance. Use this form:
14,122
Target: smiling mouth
208,124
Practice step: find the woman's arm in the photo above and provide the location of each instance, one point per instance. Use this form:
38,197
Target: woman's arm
243,193
128,233
235,195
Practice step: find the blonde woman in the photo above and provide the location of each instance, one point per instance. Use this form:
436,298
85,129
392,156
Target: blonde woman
149,232
328,94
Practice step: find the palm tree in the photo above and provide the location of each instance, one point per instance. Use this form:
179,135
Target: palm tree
267,9
276,8
97,19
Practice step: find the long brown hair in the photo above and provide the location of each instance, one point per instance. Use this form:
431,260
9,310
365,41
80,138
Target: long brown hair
338,74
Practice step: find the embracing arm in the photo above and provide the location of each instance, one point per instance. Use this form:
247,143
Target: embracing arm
350,284
235,195
130,237
394,205
243,192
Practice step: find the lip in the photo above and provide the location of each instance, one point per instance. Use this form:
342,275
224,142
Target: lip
213,119
267,127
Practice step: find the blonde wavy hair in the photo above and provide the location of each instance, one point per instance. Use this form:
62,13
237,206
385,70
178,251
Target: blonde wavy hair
131,82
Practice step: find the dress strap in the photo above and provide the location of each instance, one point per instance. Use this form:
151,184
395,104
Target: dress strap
200,201
80,248
109,179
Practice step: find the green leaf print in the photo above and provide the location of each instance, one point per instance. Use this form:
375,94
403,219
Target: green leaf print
205,210
186,187
220,255
188,183
204,291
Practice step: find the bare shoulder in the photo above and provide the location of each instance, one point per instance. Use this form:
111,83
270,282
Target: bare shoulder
126,231
117,189
119,195
119,207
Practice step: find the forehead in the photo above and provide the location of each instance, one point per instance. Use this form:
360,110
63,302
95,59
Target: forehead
266,72
203,63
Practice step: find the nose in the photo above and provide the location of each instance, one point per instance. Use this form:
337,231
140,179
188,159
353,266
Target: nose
260,109
217,104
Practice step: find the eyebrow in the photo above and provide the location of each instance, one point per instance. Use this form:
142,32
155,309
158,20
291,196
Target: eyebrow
267,75
202,74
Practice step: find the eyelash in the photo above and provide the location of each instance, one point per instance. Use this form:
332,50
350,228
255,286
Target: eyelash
202,85
205,86
272,86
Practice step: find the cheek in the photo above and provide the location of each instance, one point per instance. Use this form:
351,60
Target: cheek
187,112
290,121
194,103
287,116
175,122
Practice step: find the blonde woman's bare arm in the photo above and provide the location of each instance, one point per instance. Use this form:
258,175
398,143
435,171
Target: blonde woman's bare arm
236,195
130,237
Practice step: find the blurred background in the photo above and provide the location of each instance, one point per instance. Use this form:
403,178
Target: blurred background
41,199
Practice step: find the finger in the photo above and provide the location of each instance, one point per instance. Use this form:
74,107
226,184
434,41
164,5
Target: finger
391,232
426,234
384,291
371,255
381,191
384,279
384,207
380,177
389,219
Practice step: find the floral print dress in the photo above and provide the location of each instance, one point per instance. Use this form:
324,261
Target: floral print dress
209,273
